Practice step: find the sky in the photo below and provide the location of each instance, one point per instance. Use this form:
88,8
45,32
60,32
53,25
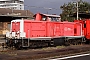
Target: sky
46,6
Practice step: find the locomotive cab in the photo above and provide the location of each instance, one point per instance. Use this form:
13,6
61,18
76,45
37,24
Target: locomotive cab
47,17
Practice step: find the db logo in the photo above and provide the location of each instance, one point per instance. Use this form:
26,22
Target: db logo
67,29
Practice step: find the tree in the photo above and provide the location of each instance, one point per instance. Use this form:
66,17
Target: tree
71,8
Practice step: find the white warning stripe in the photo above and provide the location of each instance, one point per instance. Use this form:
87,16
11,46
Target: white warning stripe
70,57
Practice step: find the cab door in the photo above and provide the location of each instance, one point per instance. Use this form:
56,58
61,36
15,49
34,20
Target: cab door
15,26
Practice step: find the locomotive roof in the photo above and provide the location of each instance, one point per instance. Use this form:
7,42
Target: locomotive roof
49,15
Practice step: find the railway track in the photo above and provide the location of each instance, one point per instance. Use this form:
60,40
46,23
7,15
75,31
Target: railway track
42,52
82,54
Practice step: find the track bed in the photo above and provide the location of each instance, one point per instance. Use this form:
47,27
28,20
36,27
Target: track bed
42,52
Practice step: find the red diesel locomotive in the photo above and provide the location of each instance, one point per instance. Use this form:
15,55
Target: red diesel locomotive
44,30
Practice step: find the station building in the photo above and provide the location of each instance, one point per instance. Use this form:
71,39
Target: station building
12,4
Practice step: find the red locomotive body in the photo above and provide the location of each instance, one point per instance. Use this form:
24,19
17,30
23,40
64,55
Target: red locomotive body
46,29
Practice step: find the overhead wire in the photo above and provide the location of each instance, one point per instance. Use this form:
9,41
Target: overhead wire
42,7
